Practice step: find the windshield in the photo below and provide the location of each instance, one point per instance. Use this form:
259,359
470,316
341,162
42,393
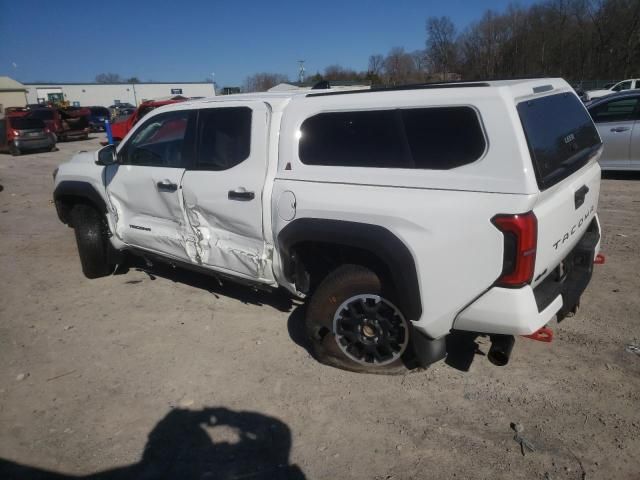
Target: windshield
560,134
26,123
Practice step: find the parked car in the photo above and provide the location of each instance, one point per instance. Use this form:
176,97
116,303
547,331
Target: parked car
119,129
117,107
630,84
19,133
617,118
67,124
324,194
98,117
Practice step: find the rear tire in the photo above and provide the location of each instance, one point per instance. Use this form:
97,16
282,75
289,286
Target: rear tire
352,323
15,151
91,237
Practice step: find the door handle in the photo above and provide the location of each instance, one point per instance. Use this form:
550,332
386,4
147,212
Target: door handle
579,196
167,186
241,194
620,129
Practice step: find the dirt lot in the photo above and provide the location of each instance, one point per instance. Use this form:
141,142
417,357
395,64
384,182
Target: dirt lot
169,375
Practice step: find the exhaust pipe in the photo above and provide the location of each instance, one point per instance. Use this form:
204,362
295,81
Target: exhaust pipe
500,351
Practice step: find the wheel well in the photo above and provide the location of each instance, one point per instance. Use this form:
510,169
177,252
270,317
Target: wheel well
65,204
70,193
313,261
311,247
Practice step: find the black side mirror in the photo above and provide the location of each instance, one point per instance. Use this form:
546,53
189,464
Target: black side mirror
107,155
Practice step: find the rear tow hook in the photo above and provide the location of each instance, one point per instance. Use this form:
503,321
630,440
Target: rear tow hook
544,334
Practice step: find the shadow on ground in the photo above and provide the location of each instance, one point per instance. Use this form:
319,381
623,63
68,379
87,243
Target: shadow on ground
278,299
212,443
616,175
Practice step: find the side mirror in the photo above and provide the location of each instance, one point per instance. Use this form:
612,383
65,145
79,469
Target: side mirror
107,155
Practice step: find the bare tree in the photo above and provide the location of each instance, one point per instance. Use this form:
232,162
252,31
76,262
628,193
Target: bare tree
108,78
441,44
398,67
336,72
376,64
261,82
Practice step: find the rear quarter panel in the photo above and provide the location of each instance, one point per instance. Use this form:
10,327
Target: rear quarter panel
457,251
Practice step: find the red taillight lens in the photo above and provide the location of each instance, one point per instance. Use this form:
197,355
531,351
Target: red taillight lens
15,133
520,242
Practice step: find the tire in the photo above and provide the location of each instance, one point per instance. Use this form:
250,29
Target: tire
15,151
91,237
354,297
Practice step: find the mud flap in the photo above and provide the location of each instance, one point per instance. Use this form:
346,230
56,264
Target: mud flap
427,350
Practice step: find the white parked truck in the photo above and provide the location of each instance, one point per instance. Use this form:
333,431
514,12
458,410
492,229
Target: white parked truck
630,84
403,214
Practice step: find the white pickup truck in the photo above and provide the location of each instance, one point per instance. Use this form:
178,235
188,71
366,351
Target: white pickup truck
402,213
630,84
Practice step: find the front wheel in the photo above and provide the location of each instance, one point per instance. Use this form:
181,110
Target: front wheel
353,324
91,237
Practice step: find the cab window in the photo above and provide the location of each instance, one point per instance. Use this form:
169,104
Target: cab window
162,141
622,86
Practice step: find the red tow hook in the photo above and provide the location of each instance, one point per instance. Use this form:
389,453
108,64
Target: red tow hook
599,260
544,334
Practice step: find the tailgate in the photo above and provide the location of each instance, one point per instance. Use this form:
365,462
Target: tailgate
564,146
564,213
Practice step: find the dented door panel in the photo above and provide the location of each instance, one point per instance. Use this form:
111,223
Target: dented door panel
224,207
147,216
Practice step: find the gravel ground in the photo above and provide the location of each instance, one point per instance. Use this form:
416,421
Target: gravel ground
166,374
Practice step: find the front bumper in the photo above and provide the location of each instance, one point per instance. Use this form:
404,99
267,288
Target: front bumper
522,311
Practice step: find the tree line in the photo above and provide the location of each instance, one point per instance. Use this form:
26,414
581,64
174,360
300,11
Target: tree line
574,39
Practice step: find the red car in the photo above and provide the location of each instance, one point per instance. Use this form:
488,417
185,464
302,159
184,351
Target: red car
120,129
65,123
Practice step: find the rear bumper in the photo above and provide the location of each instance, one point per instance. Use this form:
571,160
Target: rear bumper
73,134
522,311
34,143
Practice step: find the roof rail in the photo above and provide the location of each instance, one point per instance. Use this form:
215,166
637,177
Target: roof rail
418,86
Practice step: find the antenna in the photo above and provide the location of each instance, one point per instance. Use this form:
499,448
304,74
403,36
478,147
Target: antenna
301,71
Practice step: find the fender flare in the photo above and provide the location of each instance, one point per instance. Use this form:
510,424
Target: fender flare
77,189
374,239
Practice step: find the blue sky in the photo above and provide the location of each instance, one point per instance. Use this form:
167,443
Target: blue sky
72,41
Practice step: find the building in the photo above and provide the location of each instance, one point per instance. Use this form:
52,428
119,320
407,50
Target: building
107,94
12,94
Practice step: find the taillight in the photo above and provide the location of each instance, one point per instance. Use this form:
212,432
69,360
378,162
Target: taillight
46,130
520,241
16,133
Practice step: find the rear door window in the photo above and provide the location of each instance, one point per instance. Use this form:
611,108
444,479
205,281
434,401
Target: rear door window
560,134
437,138
224,137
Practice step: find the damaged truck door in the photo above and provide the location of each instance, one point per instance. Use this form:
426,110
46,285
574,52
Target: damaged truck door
223,190
144,186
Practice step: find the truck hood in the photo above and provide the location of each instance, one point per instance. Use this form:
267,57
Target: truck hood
83,157
597,93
